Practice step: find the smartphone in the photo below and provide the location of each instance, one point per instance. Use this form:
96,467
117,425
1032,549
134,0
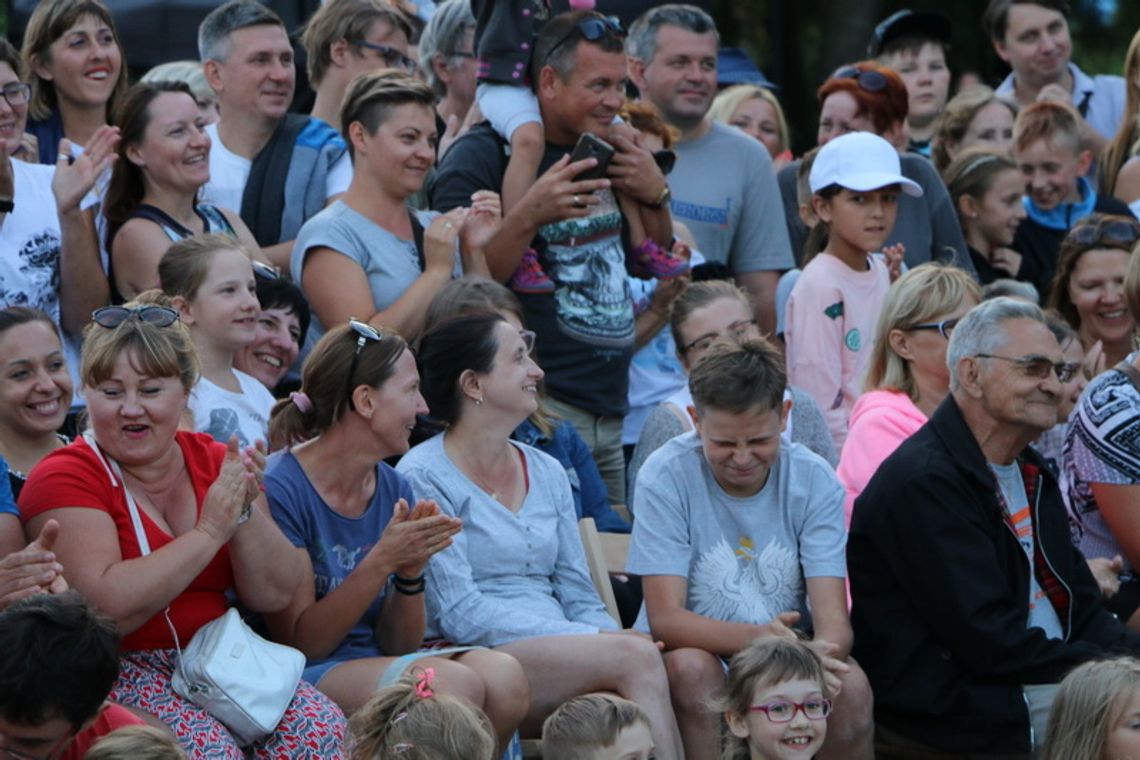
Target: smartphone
591,146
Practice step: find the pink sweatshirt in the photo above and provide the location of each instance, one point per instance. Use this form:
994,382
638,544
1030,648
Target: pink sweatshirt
829,331
880,422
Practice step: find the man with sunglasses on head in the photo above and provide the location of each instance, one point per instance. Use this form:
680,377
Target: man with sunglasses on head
723,186
585,326
970,602
349,37
279,169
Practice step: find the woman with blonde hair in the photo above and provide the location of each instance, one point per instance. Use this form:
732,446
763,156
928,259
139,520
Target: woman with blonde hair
907,377
1094,712
1119,169
756,112
976,117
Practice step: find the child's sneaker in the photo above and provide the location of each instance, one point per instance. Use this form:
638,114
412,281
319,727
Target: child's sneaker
649,260
529,277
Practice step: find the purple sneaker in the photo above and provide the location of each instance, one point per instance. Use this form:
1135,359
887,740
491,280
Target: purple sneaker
649,260
529,277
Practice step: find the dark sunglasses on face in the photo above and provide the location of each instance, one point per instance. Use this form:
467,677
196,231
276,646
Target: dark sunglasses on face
113,316
592,29
870,81
665,160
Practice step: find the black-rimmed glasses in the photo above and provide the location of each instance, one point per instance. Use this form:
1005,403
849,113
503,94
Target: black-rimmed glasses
944,328
871,81
738,331
392,57
783,712
364,333
1038,366
592,29
113,316
16,93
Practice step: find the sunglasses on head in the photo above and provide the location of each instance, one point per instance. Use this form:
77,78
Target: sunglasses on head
364,333
265,271
1123,232
113,316
869,81
591,29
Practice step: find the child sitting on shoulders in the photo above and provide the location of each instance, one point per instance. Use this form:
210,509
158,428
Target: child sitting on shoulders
597,727
410,721
774,702
835,304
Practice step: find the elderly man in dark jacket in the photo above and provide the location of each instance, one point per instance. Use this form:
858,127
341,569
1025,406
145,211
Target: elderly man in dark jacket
970,601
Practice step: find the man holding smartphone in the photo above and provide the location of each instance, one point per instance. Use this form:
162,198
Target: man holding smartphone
585,327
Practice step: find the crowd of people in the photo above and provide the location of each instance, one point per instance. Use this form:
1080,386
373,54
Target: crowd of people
355,359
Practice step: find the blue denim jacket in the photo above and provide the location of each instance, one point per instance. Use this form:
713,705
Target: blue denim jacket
571,451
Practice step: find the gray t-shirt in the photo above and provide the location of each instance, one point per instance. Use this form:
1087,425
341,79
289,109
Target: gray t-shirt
745,559
724,190
1016,503
390,263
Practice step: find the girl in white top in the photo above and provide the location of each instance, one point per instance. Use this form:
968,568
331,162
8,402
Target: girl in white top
832,311
209,279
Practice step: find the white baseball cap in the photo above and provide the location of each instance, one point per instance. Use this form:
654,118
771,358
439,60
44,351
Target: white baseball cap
859,161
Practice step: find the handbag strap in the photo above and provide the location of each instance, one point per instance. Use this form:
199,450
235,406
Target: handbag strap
115,473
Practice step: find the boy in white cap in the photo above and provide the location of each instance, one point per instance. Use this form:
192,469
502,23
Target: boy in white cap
855,182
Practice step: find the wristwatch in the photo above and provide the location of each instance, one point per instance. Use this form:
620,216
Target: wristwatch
662,198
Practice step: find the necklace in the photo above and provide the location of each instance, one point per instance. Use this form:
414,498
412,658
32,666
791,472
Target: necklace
470,471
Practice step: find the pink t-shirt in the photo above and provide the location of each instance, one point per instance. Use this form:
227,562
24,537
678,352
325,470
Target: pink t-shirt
831,318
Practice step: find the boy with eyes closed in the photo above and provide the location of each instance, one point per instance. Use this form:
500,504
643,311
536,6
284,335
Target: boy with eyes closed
736,534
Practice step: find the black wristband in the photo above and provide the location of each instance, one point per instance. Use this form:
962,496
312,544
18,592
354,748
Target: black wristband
400,580
7,206
410,590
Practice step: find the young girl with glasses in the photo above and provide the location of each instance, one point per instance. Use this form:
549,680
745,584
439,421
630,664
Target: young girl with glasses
856,181
210,281
775,702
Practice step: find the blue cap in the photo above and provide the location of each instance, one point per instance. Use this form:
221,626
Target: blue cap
733,66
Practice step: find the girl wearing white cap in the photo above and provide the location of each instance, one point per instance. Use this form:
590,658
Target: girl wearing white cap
855,182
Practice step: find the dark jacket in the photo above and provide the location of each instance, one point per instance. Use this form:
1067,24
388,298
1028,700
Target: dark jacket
940,589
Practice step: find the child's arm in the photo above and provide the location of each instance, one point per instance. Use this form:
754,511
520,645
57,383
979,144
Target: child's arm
527,144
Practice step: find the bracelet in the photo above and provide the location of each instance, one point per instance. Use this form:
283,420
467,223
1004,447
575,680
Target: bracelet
400,580
410,591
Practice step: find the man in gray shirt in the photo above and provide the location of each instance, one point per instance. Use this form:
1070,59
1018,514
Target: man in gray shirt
735,535
723,185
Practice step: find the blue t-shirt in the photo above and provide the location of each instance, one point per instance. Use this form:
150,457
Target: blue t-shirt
336,544
7,502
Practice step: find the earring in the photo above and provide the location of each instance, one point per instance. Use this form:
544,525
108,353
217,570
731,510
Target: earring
478,402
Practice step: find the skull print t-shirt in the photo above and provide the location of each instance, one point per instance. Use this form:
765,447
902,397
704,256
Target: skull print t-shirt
745,559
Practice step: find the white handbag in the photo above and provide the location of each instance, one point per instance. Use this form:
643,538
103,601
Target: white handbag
228,670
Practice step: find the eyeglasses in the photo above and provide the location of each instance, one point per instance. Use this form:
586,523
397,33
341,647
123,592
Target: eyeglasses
460,54
113,316
783,712
265,271
1039,367
1123,232
944,328
16,93
870,81
527,339
738,331
665,160
592,29
364,333
392,57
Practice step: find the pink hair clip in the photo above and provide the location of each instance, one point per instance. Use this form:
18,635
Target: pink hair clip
302,401
423,683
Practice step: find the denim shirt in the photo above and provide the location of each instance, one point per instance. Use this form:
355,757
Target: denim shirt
572,453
